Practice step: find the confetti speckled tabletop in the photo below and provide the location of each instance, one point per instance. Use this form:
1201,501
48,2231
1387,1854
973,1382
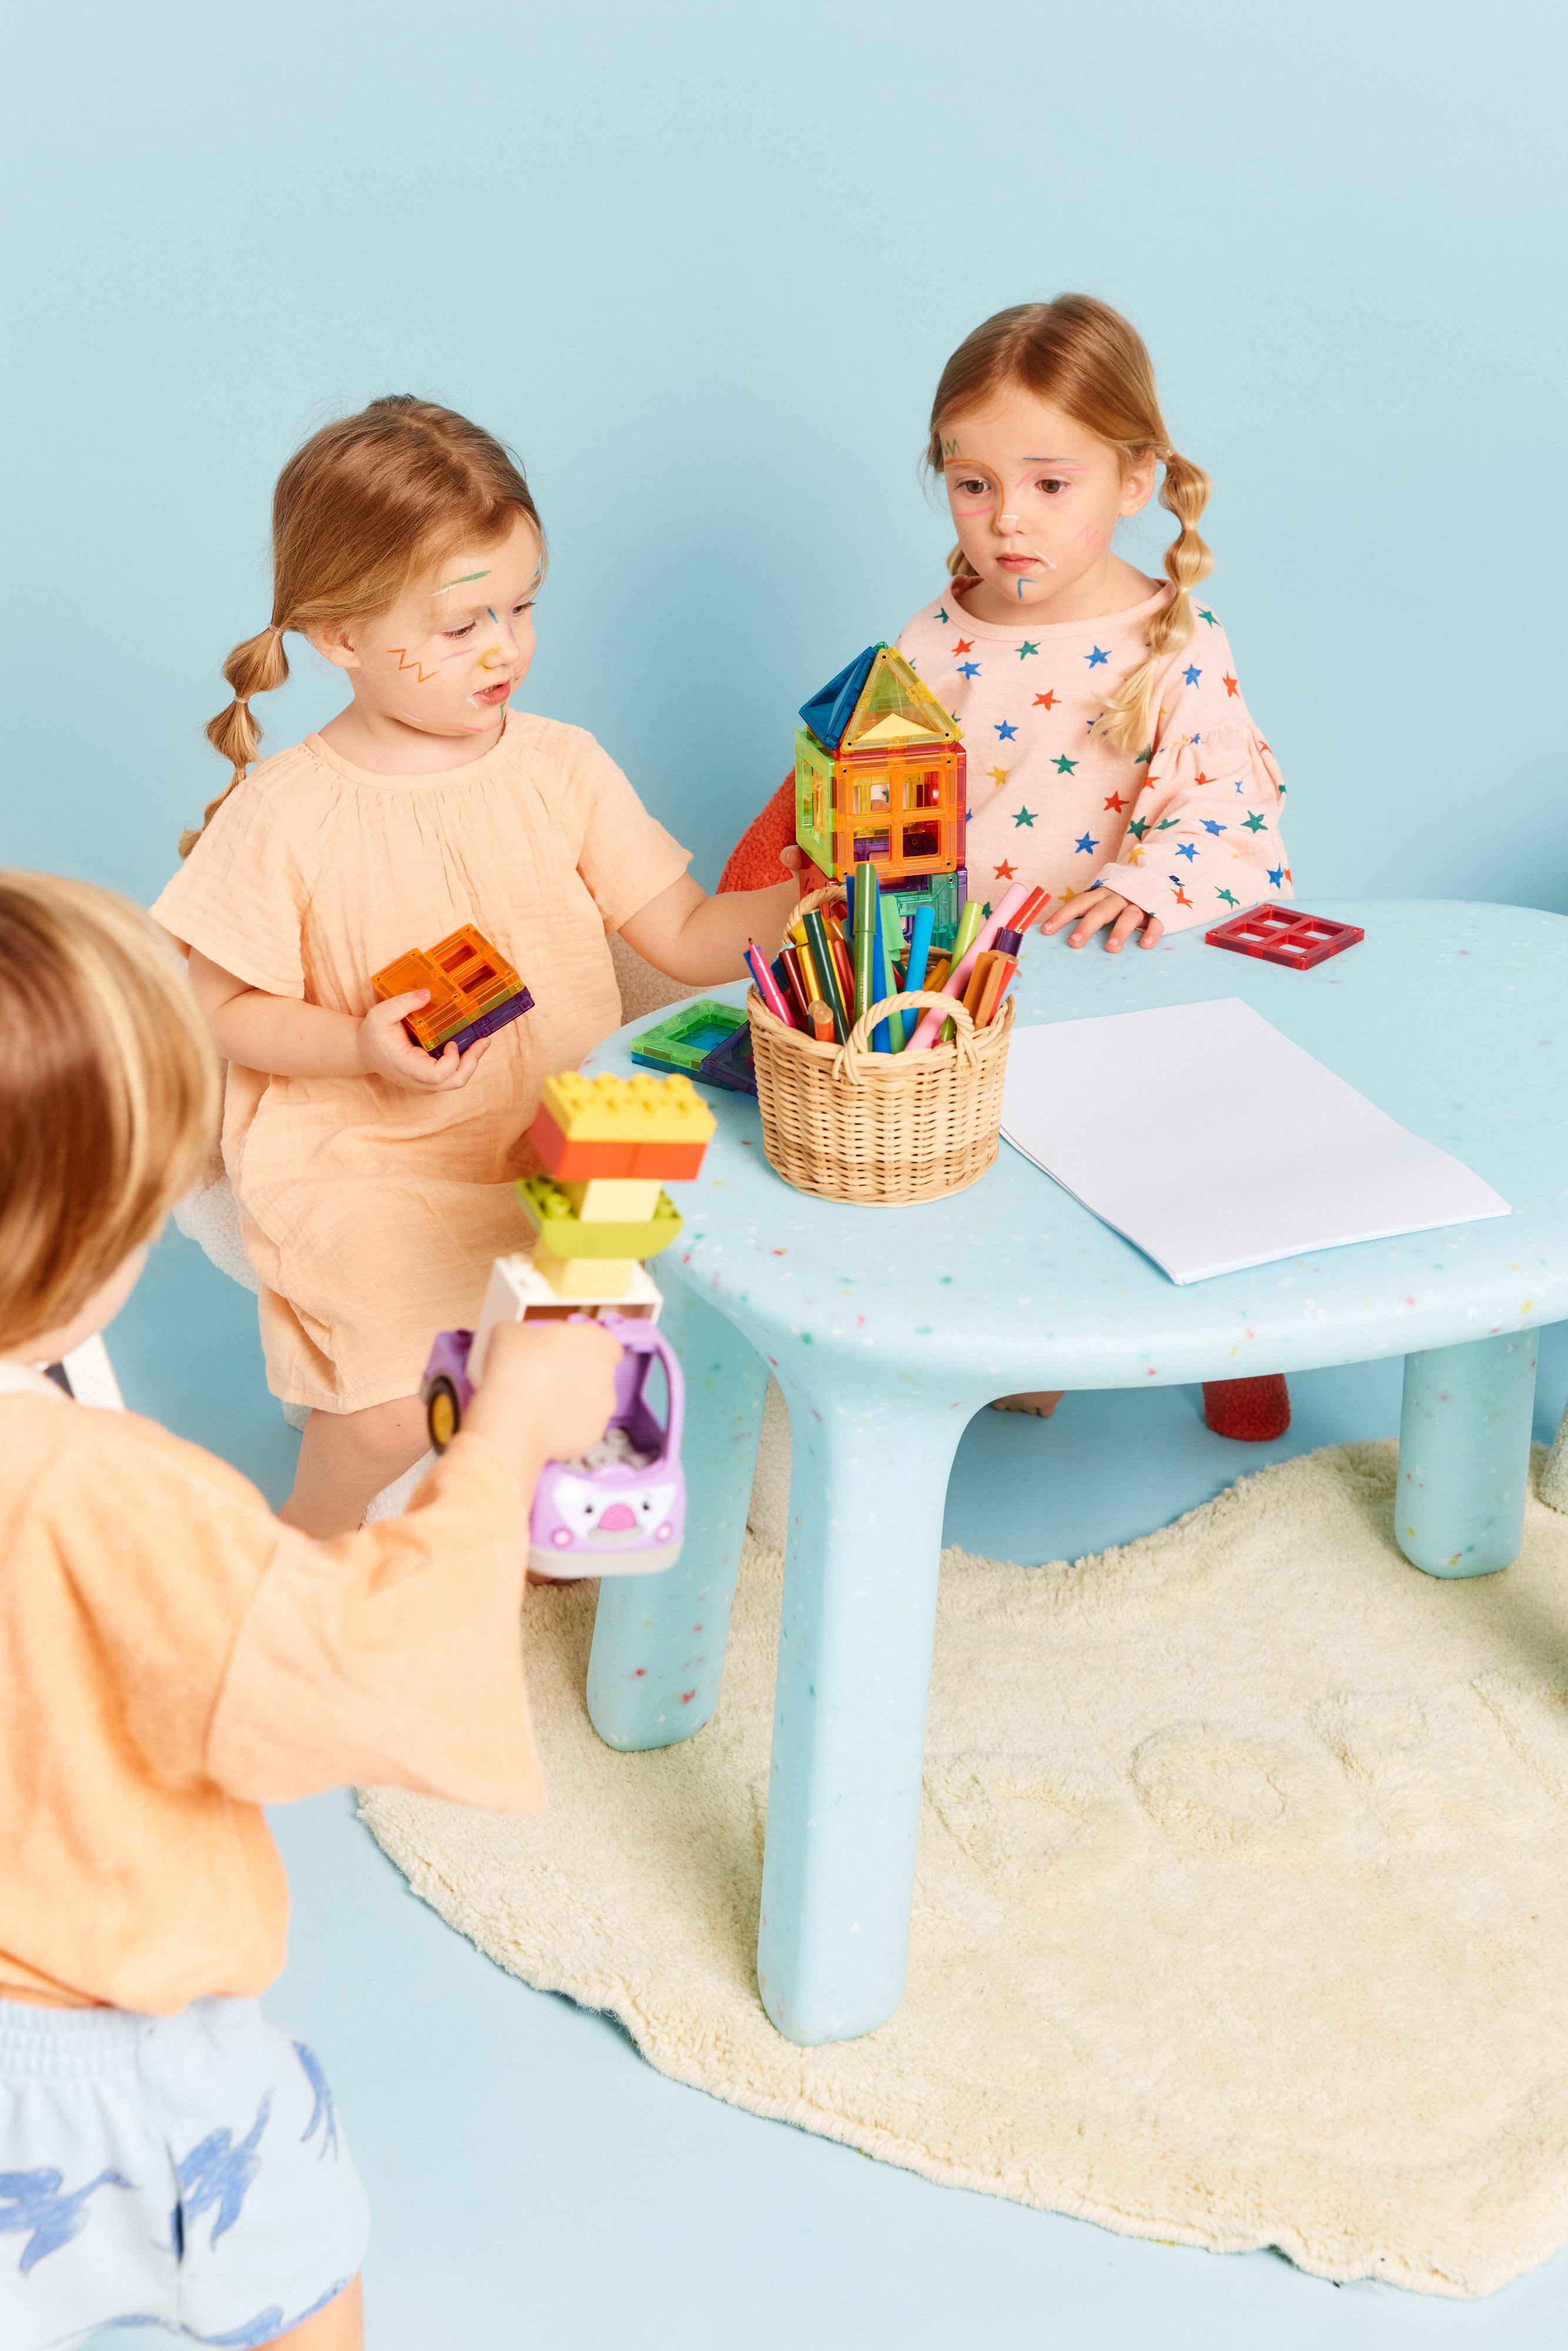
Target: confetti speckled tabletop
889,1328
1452,1018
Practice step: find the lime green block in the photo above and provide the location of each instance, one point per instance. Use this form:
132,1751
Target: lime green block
549,1212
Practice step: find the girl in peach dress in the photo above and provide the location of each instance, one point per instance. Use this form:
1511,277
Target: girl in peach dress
374,1183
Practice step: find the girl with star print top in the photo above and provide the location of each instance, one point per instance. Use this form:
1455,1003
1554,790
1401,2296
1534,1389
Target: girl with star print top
1112,760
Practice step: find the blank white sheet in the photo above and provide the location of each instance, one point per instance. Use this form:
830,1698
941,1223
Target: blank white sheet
1212,1142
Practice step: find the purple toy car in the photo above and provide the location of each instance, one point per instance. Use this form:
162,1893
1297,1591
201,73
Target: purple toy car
621,1509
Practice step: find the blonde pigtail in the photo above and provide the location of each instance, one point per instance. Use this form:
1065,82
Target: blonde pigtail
959,566
259,665
1127,721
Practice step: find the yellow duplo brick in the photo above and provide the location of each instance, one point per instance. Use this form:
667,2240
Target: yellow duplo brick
586,1278
614,1199
627,1110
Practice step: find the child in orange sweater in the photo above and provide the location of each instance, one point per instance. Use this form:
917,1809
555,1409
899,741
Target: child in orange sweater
172,1656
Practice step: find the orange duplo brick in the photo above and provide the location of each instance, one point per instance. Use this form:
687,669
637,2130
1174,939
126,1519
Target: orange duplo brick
671,1162
572,1161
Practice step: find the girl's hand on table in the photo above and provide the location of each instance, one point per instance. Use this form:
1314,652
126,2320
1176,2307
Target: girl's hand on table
387,1050
1092,908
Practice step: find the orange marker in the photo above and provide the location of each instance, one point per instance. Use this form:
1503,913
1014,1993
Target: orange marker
999,979
822,1022
976,986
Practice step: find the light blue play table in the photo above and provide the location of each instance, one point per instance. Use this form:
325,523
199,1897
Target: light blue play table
888,1328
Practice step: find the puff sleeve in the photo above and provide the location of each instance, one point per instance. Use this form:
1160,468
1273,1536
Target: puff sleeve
1204,840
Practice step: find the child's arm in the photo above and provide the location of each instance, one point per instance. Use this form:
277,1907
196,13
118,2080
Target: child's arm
1203,840
284,1037
394,1656
688,936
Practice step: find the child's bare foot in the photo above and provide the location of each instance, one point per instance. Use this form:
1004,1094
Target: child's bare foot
1041,1402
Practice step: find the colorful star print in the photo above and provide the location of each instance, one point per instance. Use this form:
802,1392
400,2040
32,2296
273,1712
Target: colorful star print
1209,825
1084,846
1045,701
1006,729
1165,824
1064,765
1253,823
1144,755
965,646
1188,848
1138,827
1276,875
1026,649
997,775
1192,673
1004,871
1097,657
942,614
1231,688
1134,856
968,669
1116,802
1206,616
1025,816
1229,897
1181,897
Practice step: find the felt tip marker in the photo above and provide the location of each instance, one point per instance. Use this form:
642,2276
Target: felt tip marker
822,1024
959,977
767,986
919,957
795,988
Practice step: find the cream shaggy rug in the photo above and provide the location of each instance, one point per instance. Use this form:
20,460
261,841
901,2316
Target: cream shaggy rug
1242,1907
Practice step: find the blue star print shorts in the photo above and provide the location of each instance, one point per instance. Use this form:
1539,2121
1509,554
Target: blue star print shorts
186,2171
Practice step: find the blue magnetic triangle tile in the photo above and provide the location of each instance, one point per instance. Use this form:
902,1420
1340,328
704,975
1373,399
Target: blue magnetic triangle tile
829,711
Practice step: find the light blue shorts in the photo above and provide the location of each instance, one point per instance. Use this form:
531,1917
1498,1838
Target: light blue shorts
185,2171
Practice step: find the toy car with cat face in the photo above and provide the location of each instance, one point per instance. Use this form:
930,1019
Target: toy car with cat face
620,1509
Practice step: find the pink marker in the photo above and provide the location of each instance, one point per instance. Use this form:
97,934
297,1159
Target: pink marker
767,986
957,980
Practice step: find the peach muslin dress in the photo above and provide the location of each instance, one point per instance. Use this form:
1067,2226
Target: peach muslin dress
370,1213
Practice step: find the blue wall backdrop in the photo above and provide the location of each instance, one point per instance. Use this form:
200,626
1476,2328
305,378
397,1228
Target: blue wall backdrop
702,264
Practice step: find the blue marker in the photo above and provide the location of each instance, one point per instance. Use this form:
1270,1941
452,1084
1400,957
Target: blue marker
881,1042
919,957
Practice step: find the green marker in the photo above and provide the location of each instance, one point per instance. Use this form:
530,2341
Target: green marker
868,909
893,945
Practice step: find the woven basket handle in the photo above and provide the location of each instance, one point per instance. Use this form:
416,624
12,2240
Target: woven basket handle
853,1054
808,906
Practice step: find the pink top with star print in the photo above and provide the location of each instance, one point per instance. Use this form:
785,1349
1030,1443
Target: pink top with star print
1190,831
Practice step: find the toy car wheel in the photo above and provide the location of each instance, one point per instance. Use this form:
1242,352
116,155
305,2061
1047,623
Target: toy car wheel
443,1414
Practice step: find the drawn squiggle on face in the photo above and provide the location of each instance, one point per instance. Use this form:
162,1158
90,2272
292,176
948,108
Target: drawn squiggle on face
463,582
420,677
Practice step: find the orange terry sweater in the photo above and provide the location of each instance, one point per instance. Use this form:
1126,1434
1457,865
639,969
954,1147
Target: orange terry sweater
172,1657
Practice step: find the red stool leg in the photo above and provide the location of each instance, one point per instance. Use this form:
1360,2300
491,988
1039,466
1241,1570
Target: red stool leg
1253,1410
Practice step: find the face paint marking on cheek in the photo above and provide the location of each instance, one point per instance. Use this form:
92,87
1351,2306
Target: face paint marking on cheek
463,582
403,663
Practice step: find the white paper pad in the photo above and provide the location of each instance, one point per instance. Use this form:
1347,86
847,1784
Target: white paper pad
1213,1143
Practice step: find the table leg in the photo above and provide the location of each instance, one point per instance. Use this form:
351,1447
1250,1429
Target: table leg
659,1640
1463,1454
867,1487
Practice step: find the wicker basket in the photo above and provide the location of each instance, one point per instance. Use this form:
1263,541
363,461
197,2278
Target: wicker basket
880,1128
